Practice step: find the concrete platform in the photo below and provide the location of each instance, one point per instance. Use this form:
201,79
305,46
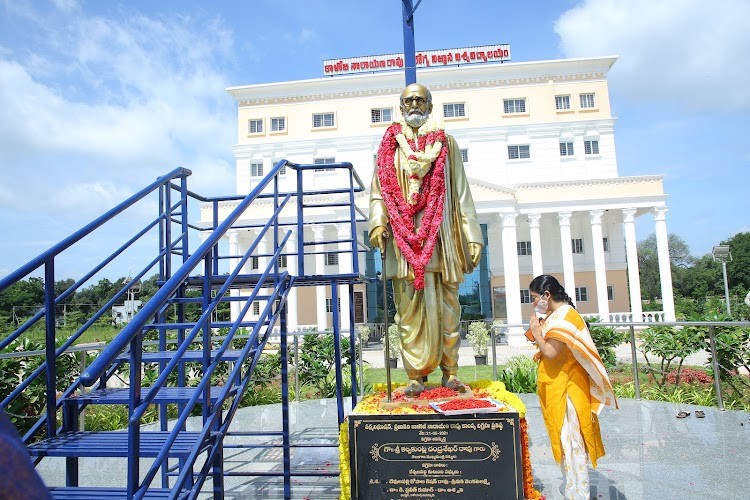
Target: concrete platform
650,454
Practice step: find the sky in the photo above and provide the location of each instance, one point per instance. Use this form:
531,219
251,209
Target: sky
97,99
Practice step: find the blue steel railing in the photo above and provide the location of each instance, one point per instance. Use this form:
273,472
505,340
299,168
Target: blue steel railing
201,269
46,261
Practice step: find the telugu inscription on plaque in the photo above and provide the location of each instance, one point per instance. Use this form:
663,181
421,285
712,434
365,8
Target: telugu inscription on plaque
476,456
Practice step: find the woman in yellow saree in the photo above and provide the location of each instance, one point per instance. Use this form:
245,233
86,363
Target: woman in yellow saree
573,385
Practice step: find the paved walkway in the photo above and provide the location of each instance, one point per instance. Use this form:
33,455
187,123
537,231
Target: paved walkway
651,454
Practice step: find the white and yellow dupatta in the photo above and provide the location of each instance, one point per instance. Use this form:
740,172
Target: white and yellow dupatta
568,326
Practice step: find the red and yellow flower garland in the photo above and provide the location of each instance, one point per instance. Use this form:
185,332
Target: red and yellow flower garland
416,246
371,405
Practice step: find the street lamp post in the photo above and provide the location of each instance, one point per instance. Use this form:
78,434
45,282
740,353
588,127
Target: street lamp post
722,254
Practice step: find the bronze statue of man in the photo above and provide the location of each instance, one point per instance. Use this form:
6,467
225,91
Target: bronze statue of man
420,199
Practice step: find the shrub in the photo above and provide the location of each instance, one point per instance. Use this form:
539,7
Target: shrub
394,341
478,337
519,375
689,376
606,338
317,361
669,345
363,334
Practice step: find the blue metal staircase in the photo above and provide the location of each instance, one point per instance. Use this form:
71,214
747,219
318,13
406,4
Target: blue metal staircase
183,460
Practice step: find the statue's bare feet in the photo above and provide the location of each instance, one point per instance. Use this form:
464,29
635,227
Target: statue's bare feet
413,389
452,382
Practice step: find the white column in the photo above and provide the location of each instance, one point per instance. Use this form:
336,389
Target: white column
292,323
512,279
320,290
665,269
345,267
567,253
600,270
634,277
536,245
263,250
234,250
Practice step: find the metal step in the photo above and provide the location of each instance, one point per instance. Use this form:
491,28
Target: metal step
122,396
111,444
189,356
90,493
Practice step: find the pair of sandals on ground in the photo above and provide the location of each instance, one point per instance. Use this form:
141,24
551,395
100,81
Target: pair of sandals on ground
685,414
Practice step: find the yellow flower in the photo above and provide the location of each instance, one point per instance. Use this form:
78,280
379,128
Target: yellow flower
344,465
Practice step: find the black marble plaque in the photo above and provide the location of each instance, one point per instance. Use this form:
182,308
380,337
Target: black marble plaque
473,456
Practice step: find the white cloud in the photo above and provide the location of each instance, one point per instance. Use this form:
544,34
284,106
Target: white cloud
7,198
134,92
214,176
66,5
87,198
688,51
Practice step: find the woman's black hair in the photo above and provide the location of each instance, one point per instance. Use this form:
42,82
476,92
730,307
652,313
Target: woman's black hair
546,283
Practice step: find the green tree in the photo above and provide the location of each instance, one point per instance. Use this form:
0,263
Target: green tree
20,300
62,285
704,278
648,263
738,271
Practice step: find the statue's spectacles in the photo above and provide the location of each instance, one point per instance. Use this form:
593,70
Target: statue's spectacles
421,101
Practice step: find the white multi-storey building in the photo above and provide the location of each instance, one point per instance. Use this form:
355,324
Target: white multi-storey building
539,149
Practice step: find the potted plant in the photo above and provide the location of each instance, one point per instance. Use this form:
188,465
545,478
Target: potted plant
478,338
394,344
363,335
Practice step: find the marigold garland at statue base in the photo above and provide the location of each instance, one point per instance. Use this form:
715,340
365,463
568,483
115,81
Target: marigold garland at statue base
507,420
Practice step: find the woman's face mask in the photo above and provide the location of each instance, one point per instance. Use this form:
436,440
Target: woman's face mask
541,305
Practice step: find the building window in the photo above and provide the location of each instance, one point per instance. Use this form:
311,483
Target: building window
518,152
454,110
256,307
321,120
256,169
282,170
591,147
610,293
278,124
281,260
587,101
254,262
381,115
323,161
582,294
524,247
332,259
566,149
562,102
465,155
577,245
605,244
329,304
514,106
525,297
255,126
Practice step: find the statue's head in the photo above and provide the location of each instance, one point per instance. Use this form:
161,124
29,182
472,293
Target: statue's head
416,104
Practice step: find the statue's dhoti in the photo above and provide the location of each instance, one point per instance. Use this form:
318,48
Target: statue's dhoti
428,323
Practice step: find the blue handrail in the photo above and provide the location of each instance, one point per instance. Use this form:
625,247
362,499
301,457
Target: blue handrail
45,256
119,343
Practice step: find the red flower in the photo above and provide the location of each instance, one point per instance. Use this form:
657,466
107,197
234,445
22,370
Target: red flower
415,245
